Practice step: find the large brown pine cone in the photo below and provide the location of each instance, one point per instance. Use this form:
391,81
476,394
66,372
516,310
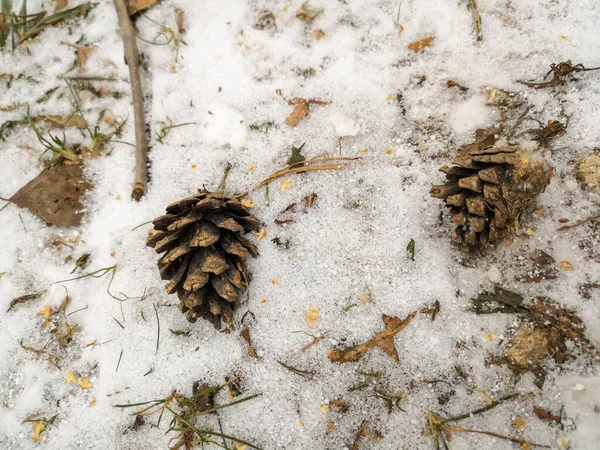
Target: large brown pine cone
205,254
488,189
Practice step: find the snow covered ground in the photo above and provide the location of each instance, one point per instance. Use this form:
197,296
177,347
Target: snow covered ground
393,107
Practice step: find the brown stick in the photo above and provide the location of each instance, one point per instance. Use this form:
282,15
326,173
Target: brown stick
579,222
133,61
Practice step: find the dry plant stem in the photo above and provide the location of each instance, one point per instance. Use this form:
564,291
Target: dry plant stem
132,58
579,222
499,436
308,167
476,18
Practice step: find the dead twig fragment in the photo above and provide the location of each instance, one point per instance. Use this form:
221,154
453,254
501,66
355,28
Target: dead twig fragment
133,58
561,72
384,339
579,222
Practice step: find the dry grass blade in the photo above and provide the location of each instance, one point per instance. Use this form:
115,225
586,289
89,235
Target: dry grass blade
25,298
310,165
476,18
39,26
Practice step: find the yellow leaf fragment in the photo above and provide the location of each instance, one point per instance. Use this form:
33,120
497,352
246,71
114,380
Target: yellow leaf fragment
300,111
252,168
273,281
248,203
565,265
240,447
38,427
489,336
46,311
318,34
324,409
93,402
419,45
261,234
365,298
285,184
84,383
519,422
71,378
311,316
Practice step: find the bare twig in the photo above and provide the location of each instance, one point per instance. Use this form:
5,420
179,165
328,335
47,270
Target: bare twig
579,222
132,57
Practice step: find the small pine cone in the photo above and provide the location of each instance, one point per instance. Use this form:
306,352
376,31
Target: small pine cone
205,254
488,189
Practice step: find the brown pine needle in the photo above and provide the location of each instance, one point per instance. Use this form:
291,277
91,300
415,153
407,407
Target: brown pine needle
496,435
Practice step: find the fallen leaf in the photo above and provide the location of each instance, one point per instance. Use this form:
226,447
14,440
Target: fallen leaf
519,423
71,378
365,298
285,184
374,435
529,348
24,298
38,428
565,265
135,6
311,316
60,5
83,54
318,34
545,415
384,339
410,248
248,203
46,311
93,402
84,383
434,310
300,111
307,13
501,300
261,234
419,45
245,333
297,159
240,447
324,409
252,168
273,281
309,199
55,195
330,426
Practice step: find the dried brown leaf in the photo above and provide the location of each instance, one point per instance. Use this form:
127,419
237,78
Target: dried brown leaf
55,195
300,111
419,45
307,13
60,5
384,339
24,298
309,199
245,333
311,316
318,34
545,415
434,310
135,6
75,120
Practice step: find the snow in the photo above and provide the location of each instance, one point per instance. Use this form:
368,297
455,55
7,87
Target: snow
352,242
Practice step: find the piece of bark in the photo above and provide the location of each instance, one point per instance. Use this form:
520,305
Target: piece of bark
55,195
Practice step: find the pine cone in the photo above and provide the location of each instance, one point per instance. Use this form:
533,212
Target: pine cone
205,254
488,189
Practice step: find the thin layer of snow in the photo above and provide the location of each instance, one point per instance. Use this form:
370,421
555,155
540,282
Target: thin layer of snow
352,243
